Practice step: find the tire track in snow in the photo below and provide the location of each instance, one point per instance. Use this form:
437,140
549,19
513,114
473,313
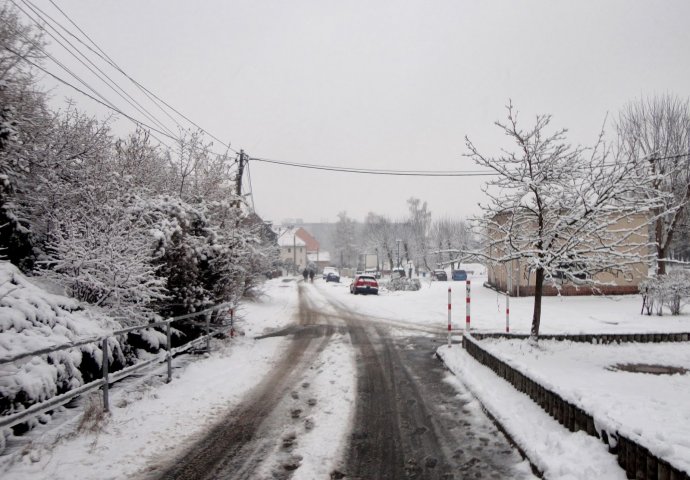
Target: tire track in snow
240,441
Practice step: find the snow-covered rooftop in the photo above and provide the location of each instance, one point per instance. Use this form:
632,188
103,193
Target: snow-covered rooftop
289,238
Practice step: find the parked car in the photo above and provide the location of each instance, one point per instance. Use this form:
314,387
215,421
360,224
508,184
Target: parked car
333,277
459,275
364,284
440,275
327,270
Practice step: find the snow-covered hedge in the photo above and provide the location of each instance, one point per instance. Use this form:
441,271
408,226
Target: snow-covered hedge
404,284
31,319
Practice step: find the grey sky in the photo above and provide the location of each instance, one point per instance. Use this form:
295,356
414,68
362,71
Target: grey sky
386,84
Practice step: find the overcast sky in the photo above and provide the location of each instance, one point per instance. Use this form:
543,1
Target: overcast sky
385,84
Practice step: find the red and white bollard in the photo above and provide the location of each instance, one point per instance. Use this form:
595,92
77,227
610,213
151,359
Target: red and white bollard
467,308
507,312
449,317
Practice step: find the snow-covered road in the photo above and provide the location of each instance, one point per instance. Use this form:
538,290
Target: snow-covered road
313,390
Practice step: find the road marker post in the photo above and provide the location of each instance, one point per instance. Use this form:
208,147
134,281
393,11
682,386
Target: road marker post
449,317
467,308
507,312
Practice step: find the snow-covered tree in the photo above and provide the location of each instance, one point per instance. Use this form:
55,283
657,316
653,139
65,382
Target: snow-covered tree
145,163
563,211
418,224
23,116
450,241
379,234
345,241
103,255
656,132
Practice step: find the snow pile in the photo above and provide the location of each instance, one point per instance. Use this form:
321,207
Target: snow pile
31,319
651,410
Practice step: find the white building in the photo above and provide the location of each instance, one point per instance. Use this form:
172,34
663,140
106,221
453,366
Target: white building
293,250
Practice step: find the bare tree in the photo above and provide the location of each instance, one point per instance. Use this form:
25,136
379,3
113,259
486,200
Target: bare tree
656,132
419,223
450,240
379,233
344,240
560,210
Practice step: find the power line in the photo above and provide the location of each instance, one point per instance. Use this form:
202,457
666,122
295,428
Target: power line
61,65
101,75
369,171
65,82
105,57
408,173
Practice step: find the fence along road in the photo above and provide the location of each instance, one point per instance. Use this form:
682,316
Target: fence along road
109,378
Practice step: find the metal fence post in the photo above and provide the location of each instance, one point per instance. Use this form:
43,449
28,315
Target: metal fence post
449,317
169,356
208,333
467,306
106,400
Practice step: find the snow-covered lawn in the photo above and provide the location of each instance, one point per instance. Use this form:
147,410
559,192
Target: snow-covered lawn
588,314
156,421
652,410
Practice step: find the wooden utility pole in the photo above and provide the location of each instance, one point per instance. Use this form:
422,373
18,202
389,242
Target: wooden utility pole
240,171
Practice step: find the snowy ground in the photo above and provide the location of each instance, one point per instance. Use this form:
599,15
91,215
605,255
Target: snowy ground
589,314
154,421
652,410
640,405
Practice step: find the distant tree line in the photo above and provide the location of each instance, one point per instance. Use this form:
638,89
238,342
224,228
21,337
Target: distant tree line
416,238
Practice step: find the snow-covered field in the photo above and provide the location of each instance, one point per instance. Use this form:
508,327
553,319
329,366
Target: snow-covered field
589,314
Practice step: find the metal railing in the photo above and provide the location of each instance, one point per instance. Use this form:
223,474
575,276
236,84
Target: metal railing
107,378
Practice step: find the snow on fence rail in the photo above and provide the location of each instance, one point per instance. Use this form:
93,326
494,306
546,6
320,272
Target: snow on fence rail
109,378
637,461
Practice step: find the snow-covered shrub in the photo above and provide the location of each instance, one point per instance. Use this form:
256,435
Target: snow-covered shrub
404,284
31,319
103,256
671,290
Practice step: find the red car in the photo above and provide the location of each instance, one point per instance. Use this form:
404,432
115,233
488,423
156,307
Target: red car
364,284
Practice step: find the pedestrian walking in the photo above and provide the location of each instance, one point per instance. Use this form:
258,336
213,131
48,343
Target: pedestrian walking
311,276
305,274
